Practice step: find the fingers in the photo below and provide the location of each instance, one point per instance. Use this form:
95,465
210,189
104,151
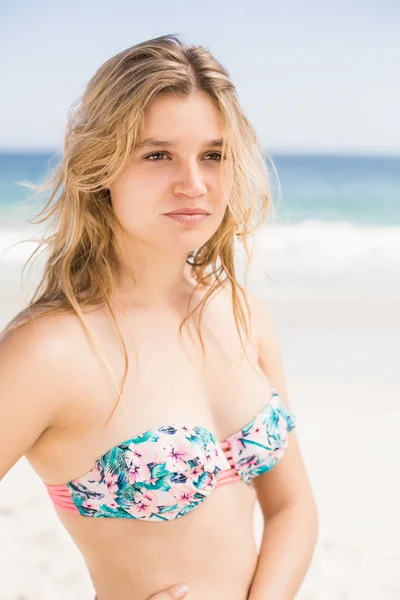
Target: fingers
174,592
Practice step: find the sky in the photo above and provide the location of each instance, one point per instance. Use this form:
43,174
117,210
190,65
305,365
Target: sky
314,76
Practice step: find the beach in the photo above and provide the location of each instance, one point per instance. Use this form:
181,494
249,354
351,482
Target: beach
115,115
341,356
331,279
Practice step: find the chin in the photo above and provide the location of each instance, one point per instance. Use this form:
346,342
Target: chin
184,241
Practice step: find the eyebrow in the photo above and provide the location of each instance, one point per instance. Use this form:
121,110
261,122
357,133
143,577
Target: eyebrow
151,143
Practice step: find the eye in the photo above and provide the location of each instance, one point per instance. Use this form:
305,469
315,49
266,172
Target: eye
217,154
149,157
158,154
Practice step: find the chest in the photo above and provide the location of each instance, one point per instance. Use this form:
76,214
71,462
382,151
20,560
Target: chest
178,378
171,379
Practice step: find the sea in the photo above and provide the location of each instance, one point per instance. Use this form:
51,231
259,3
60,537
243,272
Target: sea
335,223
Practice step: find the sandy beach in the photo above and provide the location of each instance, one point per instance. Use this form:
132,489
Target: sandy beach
341,354
302,99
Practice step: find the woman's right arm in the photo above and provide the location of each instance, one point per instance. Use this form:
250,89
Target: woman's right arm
33,375
32,371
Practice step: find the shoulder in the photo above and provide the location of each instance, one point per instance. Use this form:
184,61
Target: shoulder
261,319
39,356
45,337
269,346
265,335
37,375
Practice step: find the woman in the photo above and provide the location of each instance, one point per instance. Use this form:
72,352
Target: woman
157,484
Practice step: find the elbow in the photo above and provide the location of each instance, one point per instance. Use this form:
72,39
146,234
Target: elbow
307,512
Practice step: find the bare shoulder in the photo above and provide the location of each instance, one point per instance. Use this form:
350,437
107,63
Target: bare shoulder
37,357
261,315
264,334
42,341
269,346
261,320
36,360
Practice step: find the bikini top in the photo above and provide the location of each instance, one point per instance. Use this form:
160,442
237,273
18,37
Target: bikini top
165,473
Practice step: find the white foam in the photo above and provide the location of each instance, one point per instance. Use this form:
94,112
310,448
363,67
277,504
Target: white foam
19,253
337,254
311,253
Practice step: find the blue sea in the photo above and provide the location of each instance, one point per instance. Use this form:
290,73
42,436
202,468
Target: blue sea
337,221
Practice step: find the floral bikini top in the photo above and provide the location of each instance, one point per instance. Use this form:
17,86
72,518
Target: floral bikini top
165,473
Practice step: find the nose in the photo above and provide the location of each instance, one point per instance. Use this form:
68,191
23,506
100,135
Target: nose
190,181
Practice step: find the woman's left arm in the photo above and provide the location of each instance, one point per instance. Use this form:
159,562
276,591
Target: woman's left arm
286,550
284,493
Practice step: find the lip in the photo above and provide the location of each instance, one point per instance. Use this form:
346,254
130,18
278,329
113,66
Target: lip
188,211
188,218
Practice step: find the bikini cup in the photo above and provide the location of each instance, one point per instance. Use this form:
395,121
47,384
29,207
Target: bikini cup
165,473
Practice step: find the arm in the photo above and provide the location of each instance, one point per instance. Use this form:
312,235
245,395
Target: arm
284,493
35,393
30,375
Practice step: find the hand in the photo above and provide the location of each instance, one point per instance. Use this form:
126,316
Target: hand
172,593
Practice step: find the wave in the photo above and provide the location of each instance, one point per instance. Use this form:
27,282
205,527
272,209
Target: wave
329,254
308,253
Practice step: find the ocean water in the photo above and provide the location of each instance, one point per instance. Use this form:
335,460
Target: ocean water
336,225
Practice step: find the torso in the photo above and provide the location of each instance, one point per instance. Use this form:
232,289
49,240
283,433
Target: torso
213,547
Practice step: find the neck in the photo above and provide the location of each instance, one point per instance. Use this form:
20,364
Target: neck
149,277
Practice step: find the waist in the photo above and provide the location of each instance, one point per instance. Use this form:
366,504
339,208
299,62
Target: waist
220,567
210,546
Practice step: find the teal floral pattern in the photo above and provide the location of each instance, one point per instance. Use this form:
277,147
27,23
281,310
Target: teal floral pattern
159,475
260,445
165,473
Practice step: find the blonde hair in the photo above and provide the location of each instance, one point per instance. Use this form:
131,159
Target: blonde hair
102,132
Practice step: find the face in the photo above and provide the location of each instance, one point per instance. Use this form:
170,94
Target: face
179,169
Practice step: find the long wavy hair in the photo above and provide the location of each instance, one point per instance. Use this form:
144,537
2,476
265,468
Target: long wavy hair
104,127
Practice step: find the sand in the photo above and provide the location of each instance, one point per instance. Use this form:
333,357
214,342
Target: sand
341,354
